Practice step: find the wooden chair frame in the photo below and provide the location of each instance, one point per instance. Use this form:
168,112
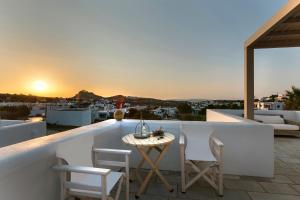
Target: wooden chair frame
211,171
65,173
124,164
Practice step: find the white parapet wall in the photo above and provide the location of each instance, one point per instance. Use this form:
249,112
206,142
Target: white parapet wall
298,116
15,131
223,116
248,145
5,122
212,115
26,168
250,142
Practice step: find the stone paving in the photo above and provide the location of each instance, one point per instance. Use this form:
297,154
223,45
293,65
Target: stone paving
285,185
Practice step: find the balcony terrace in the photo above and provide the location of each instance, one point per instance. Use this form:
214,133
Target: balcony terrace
283,186
26,168
256,165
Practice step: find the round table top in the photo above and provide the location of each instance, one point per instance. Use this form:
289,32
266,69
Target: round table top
151,141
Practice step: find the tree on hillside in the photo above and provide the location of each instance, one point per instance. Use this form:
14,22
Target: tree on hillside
184,108
292,101
14,112
273,97
136,114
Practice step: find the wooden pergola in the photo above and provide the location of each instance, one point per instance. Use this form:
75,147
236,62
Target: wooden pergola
281,31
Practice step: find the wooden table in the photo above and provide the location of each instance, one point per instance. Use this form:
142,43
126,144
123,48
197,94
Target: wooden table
144,147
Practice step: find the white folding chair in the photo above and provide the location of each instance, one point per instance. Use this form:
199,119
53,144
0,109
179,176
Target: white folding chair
203,153
80,178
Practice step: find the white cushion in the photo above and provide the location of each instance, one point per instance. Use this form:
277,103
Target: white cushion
286,127
93,180
267,119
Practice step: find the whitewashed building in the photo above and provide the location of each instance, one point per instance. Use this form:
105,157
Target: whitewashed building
102,115
165,112
38,110
276,105
69,116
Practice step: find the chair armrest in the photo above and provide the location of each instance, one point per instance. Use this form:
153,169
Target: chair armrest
217,142
82,169
112,151
216,147
181,139
98,162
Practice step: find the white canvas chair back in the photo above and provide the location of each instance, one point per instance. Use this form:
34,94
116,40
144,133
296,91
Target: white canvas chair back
77,151
197,138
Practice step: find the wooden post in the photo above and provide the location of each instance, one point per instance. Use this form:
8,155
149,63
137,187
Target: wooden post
103,188
127,175
63,178
182,166
249,83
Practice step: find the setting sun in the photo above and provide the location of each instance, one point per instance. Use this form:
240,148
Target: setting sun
40,86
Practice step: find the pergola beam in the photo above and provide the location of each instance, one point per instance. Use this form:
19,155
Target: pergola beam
292,20
284,33
277,44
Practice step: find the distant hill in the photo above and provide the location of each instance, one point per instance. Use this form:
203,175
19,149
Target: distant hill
190,100
84,95
87,96
26,98
144,101
90,96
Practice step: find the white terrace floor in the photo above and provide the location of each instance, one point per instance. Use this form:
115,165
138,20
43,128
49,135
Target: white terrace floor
284,186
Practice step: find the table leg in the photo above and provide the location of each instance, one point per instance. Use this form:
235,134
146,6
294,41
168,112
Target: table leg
137,174
155,169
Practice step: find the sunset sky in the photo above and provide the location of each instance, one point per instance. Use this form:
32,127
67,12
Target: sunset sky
151,48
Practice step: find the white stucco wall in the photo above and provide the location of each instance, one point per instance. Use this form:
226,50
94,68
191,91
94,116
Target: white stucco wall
248,151
216,116
250,142
12,133
287,114
5,122
298,116
26,168
248,146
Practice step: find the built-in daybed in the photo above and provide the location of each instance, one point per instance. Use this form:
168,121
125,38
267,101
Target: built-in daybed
281,126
